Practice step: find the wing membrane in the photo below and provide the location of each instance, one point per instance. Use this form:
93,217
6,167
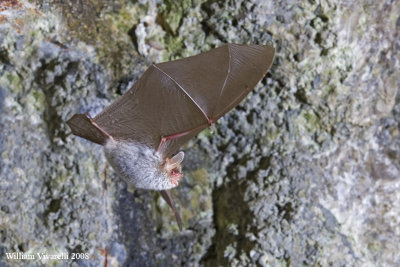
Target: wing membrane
178,99
153,108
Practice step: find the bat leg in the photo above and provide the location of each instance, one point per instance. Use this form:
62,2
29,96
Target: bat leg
168,198
104,252
97,126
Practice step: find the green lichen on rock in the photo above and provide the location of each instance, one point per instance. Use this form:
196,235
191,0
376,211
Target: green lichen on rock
230,213
171,14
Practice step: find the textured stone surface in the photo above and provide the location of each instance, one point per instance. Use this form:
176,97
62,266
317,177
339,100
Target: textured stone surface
305,172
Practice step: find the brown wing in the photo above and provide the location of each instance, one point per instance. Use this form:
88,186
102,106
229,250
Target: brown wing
81,126
219,79
178,99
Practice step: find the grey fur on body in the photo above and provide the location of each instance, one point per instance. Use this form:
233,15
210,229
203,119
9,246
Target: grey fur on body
138,164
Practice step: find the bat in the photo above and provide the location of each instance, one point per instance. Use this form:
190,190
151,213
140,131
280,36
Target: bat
172,102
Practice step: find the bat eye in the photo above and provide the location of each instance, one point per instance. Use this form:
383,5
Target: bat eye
174,172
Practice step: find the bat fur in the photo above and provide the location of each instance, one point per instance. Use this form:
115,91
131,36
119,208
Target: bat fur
138,164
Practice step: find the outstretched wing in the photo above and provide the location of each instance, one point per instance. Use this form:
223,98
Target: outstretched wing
173,101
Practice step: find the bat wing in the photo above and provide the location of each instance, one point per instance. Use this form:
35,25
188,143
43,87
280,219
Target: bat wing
173,101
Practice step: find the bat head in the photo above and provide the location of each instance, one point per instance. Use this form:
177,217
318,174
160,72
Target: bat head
173,167
142,166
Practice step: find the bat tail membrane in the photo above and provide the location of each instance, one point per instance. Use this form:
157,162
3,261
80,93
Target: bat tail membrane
82,125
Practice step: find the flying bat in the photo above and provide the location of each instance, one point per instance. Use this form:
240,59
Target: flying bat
172,102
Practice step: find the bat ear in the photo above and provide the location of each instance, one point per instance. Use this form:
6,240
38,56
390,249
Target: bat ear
178,158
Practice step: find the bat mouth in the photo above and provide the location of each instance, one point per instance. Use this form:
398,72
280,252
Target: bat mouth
176,173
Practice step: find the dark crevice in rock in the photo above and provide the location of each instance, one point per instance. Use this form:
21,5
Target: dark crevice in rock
133,222
229,209
161,20
51,116
4,59
285,211
132,35
301,95
54,206
207,27
137,232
